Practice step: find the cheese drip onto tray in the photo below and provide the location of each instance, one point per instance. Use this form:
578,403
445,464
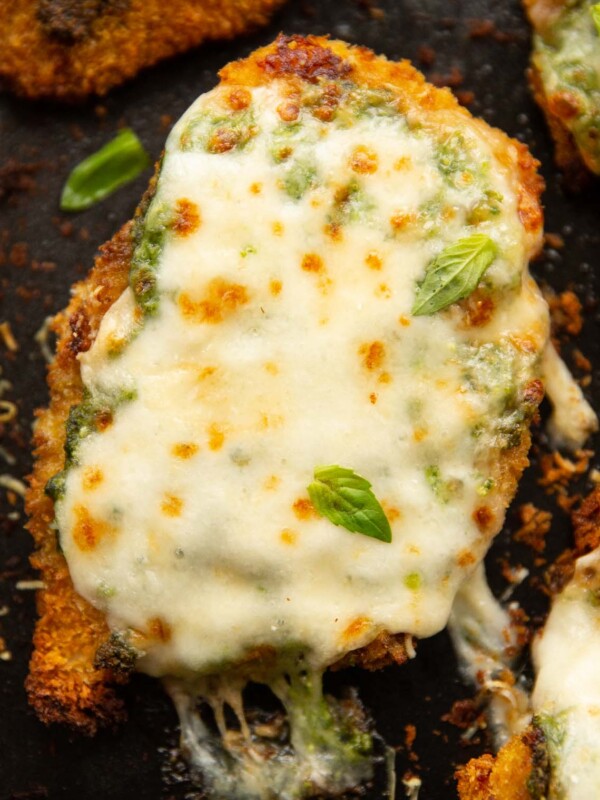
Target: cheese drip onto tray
280,318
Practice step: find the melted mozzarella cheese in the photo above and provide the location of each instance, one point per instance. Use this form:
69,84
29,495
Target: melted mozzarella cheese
566,696
486,643
284,340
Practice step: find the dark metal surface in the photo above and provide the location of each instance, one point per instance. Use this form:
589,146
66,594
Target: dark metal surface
50,762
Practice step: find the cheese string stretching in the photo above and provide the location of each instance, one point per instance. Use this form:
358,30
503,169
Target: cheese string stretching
294,397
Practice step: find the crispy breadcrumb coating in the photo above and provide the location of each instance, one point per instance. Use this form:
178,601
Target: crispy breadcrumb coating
518,772
64,685
68,49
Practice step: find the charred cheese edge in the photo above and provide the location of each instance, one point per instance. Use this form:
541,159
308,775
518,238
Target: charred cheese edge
268,329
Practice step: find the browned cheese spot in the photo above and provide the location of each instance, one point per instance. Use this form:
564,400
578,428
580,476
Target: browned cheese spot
171,505
466,559
356,628
363,160
483,517
186,218
239,98
206,372
289,110
384,291
92,478
478,309
333,230
312,262
104,419
184,450
275,287
392,512
256,188
326,105
373,261
402,220
216,436
373,398
277,229
404,321
373,355
87,531
223,140
288,536
221,299
304,509
159,629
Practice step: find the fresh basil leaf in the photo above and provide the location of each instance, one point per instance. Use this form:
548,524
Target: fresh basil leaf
595,12
346,499
102,173
454,274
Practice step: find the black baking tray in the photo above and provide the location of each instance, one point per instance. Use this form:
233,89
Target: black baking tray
479,47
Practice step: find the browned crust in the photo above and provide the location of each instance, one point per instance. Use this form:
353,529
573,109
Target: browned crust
586,524
518,772
63,684
111,44
566,152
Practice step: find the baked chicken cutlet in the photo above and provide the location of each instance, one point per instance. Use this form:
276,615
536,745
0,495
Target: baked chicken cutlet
69,49
565,78
289,407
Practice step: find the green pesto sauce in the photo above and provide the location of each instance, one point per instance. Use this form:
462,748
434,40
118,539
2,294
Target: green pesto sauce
443,489
567,55
219,132
149,238
89,416
496,370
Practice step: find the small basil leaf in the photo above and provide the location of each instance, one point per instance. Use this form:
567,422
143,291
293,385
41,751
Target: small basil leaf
595,12
102,173
346,499
454,274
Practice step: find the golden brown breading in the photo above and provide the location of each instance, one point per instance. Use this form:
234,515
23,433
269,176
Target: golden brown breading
566,152
64,684
68,49
519,768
